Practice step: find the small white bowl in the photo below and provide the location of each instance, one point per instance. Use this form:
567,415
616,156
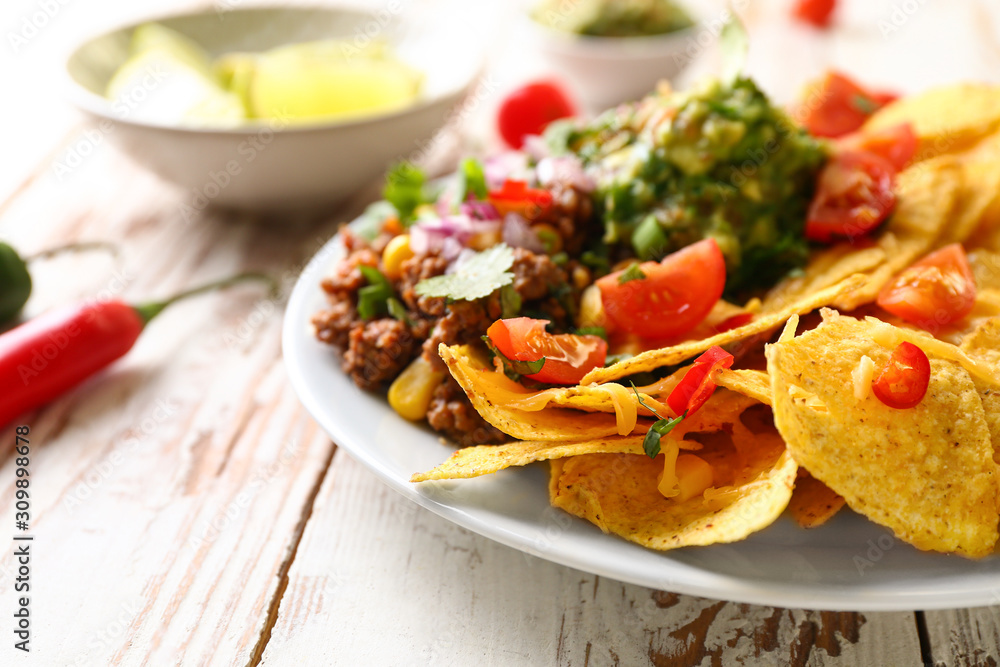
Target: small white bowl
606,71
268,164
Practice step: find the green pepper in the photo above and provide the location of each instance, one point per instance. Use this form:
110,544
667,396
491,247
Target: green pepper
15,283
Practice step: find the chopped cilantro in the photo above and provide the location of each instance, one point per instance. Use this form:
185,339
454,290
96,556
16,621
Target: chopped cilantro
479,276
510,302
633,272
651,443
513,368
864,104
404,189
471,180
373,298
397,310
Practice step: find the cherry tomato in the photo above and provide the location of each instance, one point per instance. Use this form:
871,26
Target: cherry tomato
674,296
835,105
529,109
696,386
854,195
568,357
903,382
936,290
816,12
896,144
517,197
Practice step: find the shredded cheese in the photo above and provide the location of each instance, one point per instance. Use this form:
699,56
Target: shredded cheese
667,484
862,376
626,407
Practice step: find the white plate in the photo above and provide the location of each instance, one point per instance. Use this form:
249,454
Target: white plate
848,564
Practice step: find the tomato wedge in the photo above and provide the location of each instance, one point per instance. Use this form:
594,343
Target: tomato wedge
937,290
896,144
668,298
517,197
854,195
815,12
696,386
529,109
568,357
835,105
903,381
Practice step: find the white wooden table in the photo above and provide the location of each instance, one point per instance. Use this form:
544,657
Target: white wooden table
187,511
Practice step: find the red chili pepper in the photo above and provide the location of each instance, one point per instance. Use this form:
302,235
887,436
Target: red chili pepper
517,197
734,322
696,387
904,380
50,354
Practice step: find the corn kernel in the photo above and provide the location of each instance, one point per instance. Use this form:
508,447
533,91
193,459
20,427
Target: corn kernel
581,277
396,252
592,308
694,475
410,394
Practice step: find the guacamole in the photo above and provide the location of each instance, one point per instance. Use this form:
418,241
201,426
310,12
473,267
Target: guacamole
716,161
613,18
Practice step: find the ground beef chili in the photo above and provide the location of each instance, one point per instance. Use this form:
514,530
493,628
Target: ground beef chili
377,350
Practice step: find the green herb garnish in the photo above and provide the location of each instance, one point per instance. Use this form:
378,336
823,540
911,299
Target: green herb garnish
471,180
405,190
397,310
633,272
651,443
480,276
734,45
373,298
513,368
510,302
592,331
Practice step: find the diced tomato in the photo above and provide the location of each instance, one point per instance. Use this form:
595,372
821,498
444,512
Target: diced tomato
903,382
816,12
674,295
896,144
568,357
696,386
517,197
529,109
937,290
854,195
835,105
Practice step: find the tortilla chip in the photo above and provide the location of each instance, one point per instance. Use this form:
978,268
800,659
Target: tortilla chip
983,344
668,356
945,119
486,459
813,503
754,384
926,472
618,494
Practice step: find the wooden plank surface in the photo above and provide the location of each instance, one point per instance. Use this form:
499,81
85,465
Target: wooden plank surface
449,596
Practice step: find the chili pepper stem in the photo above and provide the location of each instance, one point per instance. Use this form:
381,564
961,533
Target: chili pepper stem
148,311
74,247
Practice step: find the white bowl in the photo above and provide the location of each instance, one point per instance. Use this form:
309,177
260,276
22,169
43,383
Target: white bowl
269,164
606,71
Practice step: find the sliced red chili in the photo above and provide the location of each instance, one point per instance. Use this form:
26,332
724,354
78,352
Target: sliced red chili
517,197
903,381
696,386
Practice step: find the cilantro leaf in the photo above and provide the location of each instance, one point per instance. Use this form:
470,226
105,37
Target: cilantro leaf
404,189
633,272
651,443
513,368
471,180
369,224
373,298
479,276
